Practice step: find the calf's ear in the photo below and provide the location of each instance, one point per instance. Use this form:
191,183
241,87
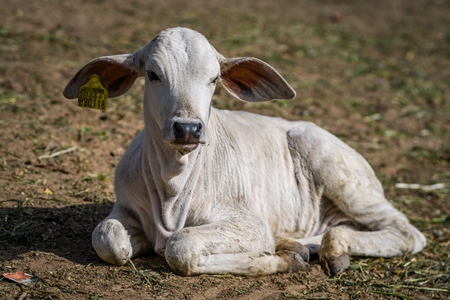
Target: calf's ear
117,74
253,80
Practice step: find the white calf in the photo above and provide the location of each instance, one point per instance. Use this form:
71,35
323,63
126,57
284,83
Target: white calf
221,192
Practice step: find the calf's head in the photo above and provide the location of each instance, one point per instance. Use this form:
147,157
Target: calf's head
181,70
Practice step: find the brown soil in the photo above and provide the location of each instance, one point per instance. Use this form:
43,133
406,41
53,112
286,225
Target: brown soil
375,74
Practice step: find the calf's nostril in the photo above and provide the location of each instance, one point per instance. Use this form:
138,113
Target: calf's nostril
178,129
198,130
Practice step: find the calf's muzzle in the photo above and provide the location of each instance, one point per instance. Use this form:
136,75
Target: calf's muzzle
187,132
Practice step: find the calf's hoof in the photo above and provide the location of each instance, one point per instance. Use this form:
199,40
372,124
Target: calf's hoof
296,262
336,265
303,252
294,246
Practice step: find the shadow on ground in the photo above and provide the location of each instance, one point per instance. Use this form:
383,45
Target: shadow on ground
65,231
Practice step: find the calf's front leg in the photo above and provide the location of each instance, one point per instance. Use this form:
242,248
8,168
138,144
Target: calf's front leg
227,248
119,237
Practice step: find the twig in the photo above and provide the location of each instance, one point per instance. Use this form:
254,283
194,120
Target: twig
22,202
150,280
287,295
373,146
416,186
11,200
421,288
10,153
136,271
42,252
362,272
222,276
52,199
58,153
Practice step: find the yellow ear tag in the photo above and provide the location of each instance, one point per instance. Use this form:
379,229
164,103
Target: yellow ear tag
93,94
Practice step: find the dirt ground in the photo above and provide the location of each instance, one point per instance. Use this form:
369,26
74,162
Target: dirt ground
374,73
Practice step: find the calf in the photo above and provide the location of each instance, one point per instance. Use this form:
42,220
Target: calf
229,192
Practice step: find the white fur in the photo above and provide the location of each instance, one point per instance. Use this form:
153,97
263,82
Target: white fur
224,204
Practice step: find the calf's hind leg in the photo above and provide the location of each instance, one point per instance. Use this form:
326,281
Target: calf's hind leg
342,241
345,177
119,237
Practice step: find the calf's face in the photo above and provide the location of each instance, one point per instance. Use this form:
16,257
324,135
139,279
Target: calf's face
181,70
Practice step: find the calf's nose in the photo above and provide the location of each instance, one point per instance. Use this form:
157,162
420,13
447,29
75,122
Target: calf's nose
187,131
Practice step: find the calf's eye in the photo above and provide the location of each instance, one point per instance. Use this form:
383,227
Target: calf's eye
214,81
152,76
